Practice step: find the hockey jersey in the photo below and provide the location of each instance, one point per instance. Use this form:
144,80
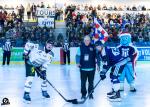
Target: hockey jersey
129,51
37,55
110,57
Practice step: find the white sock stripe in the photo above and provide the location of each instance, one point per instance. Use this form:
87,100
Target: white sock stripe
116,70
27,86
43,85
44,88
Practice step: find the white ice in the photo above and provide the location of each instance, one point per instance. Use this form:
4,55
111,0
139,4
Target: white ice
67,80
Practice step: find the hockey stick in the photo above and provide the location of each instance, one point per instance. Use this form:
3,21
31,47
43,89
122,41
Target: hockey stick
83,101
70,101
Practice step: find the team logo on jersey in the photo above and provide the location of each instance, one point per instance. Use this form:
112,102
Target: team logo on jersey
32,70
125,52
115,51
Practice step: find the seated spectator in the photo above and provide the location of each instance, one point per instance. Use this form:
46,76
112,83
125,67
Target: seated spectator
134,8
60,38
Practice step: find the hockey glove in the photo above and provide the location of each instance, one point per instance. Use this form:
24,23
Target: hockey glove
25,57
41,74
102,75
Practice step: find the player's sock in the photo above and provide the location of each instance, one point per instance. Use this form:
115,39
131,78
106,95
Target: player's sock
116,97
27,89
44,90
45,94
121,87
26,97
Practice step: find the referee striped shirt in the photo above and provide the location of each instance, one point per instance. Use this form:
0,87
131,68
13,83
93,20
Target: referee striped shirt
7,46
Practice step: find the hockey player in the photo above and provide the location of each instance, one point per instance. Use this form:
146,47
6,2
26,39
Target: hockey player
37,59
111,58
127,49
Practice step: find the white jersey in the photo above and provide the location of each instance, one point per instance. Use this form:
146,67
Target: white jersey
37,57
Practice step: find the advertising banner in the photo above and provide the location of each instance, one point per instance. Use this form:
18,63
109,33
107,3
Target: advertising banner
144,53
45,12
16,55
48,22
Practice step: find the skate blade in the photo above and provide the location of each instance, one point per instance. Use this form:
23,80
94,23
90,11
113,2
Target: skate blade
115,100
27,102
110,95
45,97
121,90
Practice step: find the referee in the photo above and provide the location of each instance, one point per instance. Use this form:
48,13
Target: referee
7,51
66,52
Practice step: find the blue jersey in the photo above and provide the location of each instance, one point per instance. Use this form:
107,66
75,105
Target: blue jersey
128,51
111,56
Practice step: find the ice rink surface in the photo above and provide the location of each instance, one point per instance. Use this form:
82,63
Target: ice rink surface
67,80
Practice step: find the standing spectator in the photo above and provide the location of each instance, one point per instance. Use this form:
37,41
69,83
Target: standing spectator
28,9
86,61
66,52
13,14
42,5
2,18
33,10
7,51
22,11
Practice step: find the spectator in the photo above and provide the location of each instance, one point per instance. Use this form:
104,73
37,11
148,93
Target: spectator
42,5
60,37
33,11
28,9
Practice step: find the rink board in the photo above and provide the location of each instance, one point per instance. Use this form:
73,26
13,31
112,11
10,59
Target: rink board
16,55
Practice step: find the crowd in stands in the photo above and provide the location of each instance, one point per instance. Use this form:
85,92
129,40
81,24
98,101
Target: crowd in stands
79,22
29,11
20,34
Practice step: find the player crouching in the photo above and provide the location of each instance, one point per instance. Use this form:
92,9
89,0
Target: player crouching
37,59
112,58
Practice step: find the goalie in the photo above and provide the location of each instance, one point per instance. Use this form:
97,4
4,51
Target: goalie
36,59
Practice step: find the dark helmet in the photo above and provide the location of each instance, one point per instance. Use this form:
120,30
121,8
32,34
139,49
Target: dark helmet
49,42
48,46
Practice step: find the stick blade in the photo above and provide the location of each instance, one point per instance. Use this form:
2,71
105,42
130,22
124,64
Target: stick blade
78,102
73,101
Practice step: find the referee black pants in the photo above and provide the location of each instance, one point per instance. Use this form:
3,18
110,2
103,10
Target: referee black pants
66,56
7,55
84,76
